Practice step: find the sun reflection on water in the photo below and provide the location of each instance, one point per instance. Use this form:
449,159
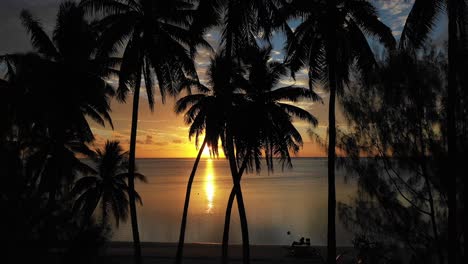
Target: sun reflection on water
209,186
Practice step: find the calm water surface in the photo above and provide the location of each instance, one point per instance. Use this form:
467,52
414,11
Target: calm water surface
292,200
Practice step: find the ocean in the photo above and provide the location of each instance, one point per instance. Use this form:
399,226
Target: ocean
281,207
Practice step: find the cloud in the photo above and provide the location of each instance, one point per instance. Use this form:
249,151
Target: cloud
149,139
394,13
177,141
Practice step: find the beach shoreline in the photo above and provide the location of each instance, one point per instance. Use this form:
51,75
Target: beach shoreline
159,252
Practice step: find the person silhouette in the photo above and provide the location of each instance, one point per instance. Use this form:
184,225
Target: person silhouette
301,242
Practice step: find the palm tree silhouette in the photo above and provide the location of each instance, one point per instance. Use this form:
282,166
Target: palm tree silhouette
160,43
60,104
261,122
75,62
419,24
264,122
206,114
108,185
331,39
242,23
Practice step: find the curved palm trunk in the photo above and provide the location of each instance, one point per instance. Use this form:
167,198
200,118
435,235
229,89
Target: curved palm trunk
180,247
227,225
331,61
239,199
227,218
243,222
451,139
131,172
233,167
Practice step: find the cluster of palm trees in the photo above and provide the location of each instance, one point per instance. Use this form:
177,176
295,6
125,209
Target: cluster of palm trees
250,103
51,91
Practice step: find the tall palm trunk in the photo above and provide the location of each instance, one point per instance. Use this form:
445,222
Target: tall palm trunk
462,44
131,171
451,129
331,235
463,40
332,82
239,198
104,217
180,247
227,218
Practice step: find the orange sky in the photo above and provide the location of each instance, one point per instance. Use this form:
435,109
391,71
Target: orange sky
163,134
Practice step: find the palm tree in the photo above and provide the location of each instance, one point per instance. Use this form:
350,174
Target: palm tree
157,41
69,61
261,122
107,186
330,40
419,24
55,89
243,22
206,114
263,125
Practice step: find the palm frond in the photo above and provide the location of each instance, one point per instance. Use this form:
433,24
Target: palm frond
365,57
419,23
129,68
83,184
293,94
366,17
39,39
183,103
106,6
149,84
299,113
115,31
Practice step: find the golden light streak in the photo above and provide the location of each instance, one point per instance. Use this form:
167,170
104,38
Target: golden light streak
209,186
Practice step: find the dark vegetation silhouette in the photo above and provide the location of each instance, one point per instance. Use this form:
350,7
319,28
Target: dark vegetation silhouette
157,43
241,22
419,24
330,41
261,122
205,113
107,186
44,127
406,111
402,198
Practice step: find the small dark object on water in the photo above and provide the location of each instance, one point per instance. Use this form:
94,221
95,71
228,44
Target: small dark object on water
301,242
302,248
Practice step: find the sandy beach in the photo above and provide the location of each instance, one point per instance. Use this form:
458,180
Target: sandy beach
121,253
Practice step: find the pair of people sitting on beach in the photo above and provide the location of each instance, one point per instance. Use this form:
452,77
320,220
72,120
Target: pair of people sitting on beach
301,242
